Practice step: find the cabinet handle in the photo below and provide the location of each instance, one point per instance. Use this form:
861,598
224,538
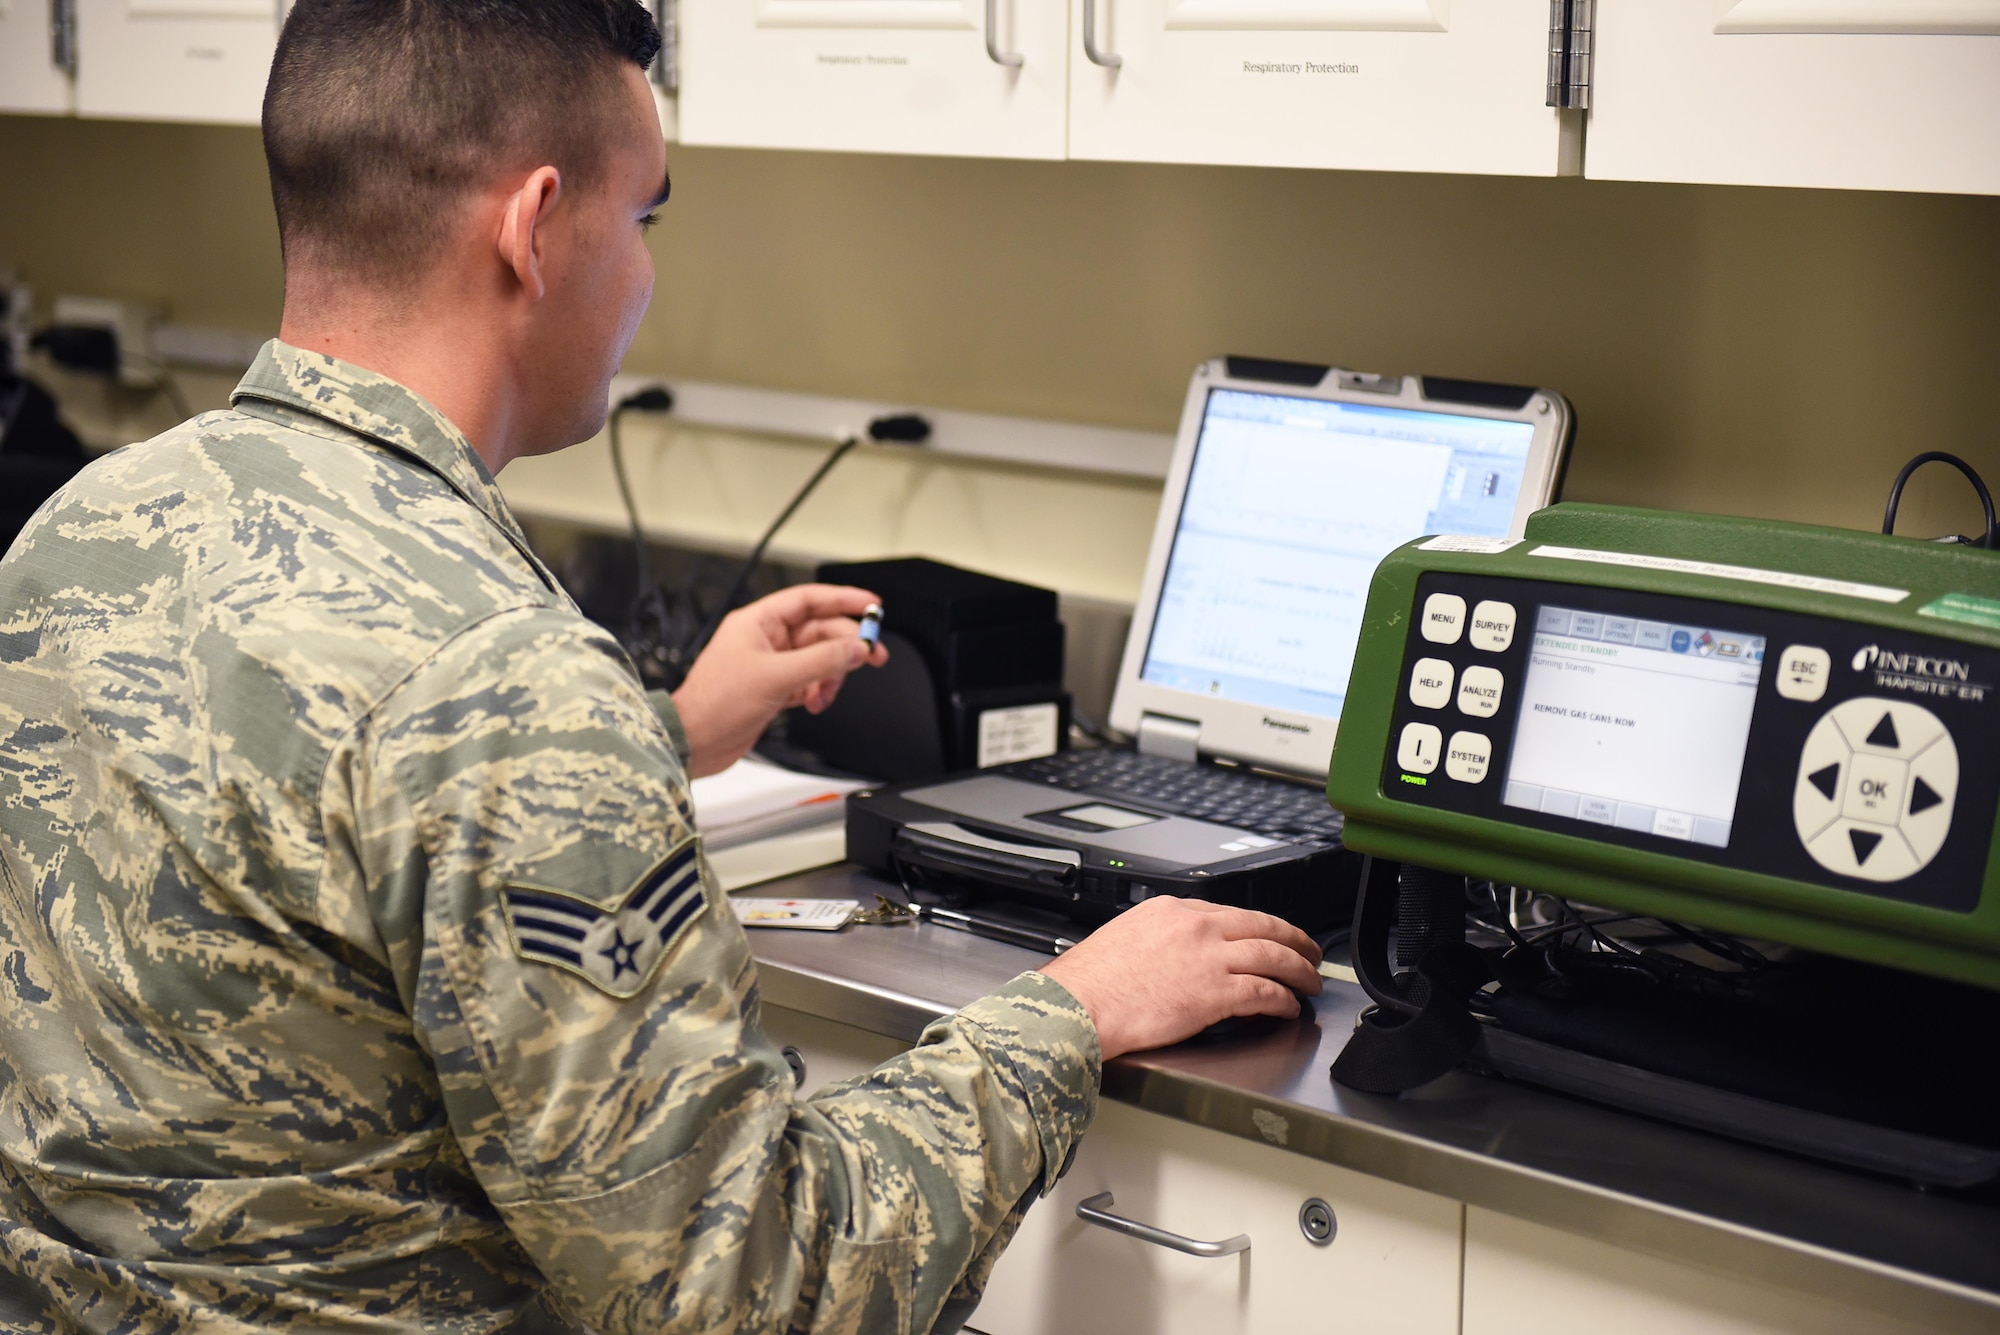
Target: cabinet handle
993,50
1110,60
1097,1211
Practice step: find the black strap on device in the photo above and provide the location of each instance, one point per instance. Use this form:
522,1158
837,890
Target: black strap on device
1420,1026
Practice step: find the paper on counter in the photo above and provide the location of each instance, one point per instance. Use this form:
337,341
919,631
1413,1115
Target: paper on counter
754,799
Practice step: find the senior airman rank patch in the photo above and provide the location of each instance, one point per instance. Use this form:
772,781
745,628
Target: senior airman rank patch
616,948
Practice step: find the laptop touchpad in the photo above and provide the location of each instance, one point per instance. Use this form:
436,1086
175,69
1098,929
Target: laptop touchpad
1095,816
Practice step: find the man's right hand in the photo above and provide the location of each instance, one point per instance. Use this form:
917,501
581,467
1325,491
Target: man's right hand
1167,968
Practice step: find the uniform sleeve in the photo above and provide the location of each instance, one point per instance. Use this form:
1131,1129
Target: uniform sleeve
589,1003
670,718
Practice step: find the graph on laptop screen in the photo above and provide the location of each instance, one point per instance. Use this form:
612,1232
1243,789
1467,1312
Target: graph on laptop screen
1290,505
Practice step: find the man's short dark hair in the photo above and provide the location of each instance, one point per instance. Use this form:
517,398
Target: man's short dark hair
381,114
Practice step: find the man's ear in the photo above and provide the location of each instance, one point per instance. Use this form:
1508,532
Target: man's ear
523,220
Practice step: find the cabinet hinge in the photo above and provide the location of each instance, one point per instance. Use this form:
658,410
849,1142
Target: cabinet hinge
667,65
62,35
1570,23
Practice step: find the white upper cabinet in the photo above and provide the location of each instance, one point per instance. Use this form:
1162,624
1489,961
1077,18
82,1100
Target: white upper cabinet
972,78
37,51
1375,85
179,60
1849,94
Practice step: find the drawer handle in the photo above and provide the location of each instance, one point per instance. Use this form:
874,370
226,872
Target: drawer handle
1107,59
993,51
1097,1210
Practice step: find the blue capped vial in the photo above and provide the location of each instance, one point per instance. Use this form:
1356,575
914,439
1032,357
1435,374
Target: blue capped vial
871,626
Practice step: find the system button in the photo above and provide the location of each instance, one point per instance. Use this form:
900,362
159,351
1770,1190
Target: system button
1803,670
1468,756
1444,618
1493,626
1430,683
1479,691
1420,747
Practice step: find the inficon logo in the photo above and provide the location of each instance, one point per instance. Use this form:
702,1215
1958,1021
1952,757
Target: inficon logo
1919,674
1918,665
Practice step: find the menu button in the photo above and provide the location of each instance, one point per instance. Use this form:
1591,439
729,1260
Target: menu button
1444,618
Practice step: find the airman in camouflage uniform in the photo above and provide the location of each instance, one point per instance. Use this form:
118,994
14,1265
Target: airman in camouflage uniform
359,965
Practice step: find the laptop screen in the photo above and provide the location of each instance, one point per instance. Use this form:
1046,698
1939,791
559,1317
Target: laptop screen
1290,505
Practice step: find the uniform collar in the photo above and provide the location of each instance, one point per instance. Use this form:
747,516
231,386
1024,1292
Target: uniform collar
377,407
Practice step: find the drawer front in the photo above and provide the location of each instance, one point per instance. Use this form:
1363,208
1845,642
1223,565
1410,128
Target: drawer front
1528,1279
1392,1267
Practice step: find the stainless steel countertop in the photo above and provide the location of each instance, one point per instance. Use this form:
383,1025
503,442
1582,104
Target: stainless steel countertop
1619,1178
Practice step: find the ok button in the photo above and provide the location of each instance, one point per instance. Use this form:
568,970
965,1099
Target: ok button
1430,683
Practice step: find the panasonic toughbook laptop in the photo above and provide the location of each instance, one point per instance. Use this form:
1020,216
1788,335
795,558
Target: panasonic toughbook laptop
1289,483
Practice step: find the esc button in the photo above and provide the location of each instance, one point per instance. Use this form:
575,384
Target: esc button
1802,672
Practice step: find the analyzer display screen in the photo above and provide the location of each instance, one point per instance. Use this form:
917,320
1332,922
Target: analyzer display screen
1291,504
1636,724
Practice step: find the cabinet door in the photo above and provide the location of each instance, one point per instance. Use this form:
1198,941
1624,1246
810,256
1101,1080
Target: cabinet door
1845,94
1392,1267
972,78
828,1051
30,77
1378,85
177,60
1527,1279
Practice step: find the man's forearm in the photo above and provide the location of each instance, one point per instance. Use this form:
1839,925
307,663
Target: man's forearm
860,1209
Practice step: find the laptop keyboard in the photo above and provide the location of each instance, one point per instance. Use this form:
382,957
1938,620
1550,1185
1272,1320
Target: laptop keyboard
1270,807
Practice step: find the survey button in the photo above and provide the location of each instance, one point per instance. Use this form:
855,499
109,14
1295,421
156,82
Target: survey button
1493,626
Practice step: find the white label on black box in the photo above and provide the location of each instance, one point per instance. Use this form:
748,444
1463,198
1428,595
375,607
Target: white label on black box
1024,732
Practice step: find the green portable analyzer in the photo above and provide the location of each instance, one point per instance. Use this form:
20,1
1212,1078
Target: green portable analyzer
1771,729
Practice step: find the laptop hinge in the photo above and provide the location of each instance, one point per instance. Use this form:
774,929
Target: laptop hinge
1173,738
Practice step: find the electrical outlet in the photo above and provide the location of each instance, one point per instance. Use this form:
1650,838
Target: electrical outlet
17,316
130,323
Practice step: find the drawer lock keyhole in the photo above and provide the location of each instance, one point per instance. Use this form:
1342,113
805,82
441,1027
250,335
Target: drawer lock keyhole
1316,1221
796,1060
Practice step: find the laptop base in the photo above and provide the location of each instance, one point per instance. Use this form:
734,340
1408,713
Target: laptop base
926,846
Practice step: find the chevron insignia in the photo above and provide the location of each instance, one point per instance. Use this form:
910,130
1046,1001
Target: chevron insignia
615,948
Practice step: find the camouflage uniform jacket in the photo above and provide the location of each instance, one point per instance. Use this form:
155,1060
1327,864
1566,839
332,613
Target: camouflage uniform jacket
359,967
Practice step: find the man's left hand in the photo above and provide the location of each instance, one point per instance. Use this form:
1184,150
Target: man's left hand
792,648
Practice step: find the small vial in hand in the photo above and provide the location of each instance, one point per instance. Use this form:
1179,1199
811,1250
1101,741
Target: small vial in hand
871,626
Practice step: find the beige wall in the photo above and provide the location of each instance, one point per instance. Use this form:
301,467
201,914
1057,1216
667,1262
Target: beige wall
1773,352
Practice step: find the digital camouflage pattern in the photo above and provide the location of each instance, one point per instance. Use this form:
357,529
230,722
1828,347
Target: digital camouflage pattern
289,714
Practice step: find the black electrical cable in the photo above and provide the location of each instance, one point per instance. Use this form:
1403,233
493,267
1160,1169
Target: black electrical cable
646,642
905,428
1940,457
